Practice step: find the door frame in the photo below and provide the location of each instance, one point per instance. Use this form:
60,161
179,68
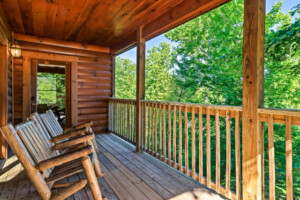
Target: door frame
30,62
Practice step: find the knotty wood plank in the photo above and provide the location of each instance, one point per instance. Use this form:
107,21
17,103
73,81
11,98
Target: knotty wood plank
169,135
164,136
160,131
228,154
174,138
180,139
238,157
253,98
186,141
193,145
155,143
208,148
289,158
218,151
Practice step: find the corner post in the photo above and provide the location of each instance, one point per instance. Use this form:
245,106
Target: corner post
253,98
140,84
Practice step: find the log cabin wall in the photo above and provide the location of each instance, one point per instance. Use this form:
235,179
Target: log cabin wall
6,89
18,89
94,82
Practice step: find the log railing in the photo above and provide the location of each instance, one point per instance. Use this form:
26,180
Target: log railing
202,141
122,118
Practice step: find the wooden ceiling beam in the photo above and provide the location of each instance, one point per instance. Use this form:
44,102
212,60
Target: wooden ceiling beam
59,50
60,43
180,14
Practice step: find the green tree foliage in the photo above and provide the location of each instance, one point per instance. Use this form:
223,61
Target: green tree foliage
206,67
51,89
125,78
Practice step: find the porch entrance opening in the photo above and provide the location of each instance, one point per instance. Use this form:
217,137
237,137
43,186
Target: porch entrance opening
51,90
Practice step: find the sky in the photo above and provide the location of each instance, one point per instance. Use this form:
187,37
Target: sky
131,54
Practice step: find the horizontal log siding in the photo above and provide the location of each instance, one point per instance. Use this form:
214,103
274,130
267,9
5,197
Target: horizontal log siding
18,90
94,88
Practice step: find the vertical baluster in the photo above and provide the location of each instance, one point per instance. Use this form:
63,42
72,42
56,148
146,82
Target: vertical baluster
193,145
289,159
180,139
144,125
149,128
200,145
218,156
169,134
160,132
155,130
128,122
114,116
109,115
118,117
238,156
122,118
134,120
208,150
228,154
164,137
174,138
152,132
186,138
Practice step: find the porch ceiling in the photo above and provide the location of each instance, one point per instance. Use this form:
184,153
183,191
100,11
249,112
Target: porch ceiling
108,23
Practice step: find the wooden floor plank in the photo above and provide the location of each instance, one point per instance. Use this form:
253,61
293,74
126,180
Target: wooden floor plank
174,185
139,173
156,177
128,176
179,176
151,194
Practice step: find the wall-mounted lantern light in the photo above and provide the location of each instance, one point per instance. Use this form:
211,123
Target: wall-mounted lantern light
15,49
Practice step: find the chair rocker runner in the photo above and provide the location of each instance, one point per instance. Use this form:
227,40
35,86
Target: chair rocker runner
45,166
76,134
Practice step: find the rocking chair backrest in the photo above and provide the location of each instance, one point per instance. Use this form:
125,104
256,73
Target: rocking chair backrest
52,125
25,158
55,122
36,142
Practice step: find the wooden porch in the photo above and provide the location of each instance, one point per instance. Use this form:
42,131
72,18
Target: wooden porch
129,175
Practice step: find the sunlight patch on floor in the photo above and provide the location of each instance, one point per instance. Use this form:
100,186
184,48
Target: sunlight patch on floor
11,168
197,194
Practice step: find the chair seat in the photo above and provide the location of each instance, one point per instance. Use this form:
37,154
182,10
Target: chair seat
65,170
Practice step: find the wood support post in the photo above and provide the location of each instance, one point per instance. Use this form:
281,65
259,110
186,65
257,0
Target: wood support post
113,67
3,98
140,85
26,87
253,98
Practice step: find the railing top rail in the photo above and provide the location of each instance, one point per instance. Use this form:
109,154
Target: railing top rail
277,111
119,99
233,108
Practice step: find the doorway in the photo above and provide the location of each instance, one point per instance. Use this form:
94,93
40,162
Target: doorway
51,89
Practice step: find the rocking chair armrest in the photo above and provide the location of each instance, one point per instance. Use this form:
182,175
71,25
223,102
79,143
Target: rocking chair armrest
84,124
69,134
73,142
64,158
79,126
